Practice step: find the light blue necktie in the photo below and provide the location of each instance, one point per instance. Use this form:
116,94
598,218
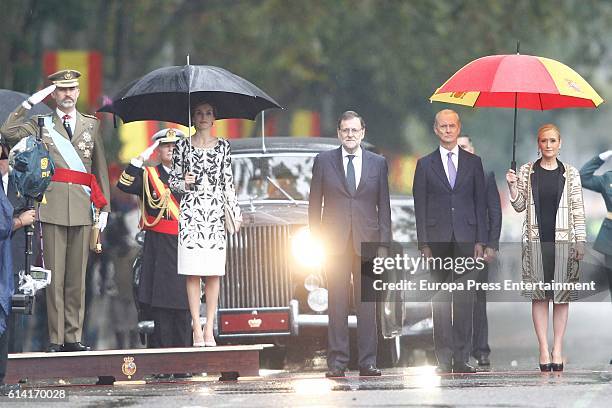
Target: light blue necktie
452,170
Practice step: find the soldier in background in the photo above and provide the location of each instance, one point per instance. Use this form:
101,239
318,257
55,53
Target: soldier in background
601,184
161,287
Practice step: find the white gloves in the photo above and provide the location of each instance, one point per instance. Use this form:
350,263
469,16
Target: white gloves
102,220
605,155
144,155
38,97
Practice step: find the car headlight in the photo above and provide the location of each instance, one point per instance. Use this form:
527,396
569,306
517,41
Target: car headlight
317,300
308,252
312,282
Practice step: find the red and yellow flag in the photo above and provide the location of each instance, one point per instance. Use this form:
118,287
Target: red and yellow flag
89,64
135,137
305,123
233,128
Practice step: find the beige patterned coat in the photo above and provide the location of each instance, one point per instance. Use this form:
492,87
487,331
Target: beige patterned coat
569,229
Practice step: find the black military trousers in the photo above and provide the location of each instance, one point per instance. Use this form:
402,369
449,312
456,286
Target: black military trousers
172,328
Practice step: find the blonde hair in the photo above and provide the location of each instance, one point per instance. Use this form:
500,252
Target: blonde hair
548,126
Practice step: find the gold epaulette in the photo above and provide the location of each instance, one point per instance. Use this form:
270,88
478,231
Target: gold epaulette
126,179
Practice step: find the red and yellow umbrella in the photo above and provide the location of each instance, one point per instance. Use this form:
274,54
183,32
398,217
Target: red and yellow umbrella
517,81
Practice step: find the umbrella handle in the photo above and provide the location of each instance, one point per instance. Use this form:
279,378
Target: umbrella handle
513,165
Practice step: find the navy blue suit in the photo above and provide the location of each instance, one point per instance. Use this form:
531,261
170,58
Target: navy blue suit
343,223
450,221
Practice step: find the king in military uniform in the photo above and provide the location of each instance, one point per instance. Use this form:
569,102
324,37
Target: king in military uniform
78,193
161,288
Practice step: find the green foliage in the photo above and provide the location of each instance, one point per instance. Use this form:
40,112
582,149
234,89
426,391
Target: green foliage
381,58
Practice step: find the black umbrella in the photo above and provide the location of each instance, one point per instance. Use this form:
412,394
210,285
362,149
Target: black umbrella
166,94
9,100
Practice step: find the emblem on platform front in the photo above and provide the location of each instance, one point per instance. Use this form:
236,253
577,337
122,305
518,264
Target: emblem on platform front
129,366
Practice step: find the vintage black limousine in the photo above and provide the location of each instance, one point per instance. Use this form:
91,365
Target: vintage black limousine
274,286
274,290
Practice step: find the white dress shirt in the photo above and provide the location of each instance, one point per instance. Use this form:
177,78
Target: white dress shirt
71,121
454,157
357,162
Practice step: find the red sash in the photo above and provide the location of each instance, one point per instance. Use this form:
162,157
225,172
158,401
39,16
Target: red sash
85,179
163,226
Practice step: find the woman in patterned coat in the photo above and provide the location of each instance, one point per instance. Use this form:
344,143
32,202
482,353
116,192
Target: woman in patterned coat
554,233
201,171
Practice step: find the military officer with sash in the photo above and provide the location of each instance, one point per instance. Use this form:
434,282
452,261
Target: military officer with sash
161,288
77,197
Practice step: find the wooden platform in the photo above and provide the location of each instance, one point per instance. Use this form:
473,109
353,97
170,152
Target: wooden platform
134,364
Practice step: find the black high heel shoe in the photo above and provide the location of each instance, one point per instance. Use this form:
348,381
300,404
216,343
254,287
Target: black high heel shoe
556,367
547,367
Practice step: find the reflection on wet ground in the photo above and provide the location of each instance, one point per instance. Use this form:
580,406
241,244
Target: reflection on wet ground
279,381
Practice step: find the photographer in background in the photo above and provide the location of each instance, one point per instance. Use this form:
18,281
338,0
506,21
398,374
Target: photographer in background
8,225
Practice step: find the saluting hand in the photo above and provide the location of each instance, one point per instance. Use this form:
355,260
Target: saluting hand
148,151
605,155
39,96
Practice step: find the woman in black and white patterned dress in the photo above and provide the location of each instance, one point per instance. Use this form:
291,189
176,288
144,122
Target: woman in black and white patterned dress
201,171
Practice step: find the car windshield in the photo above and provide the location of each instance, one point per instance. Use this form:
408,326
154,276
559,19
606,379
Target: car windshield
273,177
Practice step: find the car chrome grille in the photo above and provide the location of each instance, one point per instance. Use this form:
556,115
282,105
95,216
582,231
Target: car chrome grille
257,271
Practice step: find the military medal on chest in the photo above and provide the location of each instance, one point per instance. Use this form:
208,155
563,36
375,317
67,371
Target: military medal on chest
86,145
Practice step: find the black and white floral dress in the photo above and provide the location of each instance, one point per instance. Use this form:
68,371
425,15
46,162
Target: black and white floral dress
201,246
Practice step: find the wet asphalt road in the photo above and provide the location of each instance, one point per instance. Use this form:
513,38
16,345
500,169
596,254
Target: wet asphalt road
512,381
413,387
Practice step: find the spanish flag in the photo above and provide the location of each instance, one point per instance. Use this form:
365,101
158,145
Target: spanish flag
233,128
135,137
305,123
401,171
89,64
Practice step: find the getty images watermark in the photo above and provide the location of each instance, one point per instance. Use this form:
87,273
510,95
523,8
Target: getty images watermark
415,277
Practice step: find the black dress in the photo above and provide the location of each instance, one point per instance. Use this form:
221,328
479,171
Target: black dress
548,194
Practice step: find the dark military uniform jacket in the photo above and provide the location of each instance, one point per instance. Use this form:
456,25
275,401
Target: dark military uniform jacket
601,184
160,284
66,203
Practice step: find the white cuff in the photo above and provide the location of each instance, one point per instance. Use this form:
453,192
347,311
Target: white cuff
26,105
605,155
136,163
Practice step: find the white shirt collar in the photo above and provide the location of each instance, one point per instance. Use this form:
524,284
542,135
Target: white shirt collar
61,114
356,154
444,151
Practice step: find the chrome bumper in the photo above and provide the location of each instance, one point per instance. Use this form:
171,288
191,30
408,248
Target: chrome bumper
311,320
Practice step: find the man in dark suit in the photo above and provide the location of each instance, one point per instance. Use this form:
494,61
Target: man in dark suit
450,209
480,332
354,186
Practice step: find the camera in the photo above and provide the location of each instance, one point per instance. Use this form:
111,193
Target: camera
38,278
